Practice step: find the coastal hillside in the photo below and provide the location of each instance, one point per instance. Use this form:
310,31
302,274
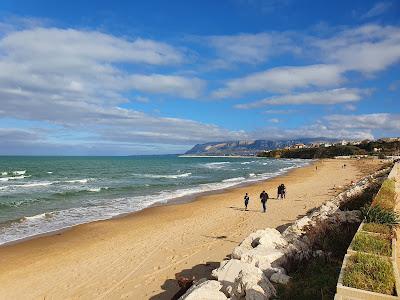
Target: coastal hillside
248,147
380,148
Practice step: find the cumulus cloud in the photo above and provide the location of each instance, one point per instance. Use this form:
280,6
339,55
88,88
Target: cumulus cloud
381,121
315,130
73,79
52,43
337,126
283,79
334,96
368,48
67,61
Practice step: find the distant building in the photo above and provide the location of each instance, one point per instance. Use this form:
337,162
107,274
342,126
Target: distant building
298,146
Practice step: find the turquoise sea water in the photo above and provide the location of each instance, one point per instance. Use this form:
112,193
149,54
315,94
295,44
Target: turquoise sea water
44,194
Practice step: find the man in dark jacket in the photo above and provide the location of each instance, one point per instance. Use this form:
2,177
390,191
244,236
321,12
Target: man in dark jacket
264,197
246,200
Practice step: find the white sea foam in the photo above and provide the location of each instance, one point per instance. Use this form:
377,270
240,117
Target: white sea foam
4,173
173,176
49,172
252,175
13,177
77,180
94,190
105,209
34,184
37,217
234,179
19,172
216,165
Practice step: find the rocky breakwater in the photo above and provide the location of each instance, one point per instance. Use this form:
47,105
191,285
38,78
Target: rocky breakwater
260,258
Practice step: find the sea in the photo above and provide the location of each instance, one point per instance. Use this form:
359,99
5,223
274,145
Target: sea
40,195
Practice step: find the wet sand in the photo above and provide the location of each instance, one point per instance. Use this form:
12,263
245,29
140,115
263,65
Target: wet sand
139,255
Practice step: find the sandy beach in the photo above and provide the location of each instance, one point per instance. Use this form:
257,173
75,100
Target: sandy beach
139,255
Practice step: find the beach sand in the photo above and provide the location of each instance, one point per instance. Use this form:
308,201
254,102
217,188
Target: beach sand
138,256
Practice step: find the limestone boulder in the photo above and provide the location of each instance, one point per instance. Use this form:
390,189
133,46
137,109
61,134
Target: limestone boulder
252,284
280,278
264,258
204,290
247,244
272,239
228,272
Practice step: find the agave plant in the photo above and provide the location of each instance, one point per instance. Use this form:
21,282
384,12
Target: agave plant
377,214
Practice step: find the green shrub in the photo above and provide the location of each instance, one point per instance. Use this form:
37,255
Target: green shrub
370,273
372,244
377,228
313,280
377,214
386,197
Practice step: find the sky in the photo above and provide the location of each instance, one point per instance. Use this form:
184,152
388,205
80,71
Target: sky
157,77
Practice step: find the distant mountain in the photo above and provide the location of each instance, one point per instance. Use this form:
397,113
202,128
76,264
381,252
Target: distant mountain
249,147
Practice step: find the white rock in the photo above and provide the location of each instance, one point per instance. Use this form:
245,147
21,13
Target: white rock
280,278
204,290
251,284
264,258
272,238
270,271
247,244
227,273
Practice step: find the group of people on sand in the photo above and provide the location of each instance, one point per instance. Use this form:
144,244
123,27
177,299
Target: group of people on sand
264,197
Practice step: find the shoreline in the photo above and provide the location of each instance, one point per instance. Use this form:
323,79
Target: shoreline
172,201
138,254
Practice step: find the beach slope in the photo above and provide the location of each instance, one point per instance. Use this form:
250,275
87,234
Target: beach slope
139,255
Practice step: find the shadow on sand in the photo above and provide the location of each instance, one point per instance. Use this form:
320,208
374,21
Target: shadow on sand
171,287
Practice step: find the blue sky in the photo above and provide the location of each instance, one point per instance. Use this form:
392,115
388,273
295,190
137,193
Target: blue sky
149,77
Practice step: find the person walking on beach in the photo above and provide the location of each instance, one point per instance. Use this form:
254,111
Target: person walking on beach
264,197
246,200
283,191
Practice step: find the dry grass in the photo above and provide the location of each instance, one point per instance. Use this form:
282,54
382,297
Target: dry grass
370,273
386,197
380,245
377,228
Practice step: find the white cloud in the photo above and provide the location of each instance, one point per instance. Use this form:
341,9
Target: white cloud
249,48
381,121
334,96
315,130
378,9
74,79
142,99
282,79
278,111
60,61
368,48
350,107
86,45
364,126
